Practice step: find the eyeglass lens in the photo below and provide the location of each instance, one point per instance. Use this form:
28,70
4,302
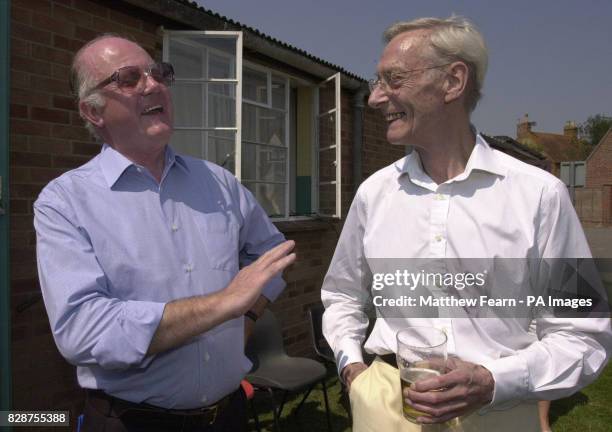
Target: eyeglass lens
130,76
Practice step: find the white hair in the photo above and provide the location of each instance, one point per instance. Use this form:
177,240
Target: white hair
452,39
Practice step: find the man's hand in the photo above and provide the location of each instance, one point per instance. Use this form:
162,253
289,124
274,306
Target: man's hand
464,389
350,372
244,290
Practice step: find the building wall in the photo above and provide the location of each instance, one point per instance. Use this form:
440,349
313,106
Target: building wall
599,163
47,138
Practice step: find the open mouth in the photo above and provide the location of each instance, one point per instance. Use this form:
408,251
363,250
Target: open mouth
391,117
156,109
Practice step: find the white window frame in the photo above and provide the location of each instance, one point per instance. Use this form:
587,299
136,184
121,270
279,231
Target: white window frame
237,81
337,109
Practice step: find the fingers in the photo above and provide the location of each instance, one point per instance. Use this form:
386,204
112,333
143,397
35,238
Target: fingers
276,253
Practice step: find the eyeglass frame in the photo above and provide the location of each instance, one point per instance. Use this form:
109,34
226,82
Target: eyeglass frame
378,82
144,71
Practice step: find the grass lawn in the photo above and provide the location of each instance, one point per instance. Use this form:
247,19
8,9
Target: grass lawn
589,410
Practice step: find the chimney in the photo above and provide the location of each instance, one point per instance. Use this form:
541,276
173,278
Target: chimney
523,127
570,130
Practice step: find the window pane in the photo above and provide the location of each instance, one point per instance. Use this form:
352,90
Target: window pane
221,105
263,125
187,58
270,196
220,66
327,156
188,106
254,85
327,96
278,92
191,143
215,146
264,163
327,199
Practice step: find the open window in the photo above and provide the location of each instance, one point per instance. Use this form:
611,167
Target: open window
271,129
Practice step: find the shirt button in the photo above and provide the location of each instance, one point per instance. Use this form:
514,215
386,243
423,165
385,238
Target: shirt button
174,228
206,356
440,197
188,268
438,238
204,399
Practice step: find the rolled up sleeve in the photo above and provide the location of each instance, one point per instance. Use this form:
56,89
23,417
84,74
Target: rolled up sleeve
89,325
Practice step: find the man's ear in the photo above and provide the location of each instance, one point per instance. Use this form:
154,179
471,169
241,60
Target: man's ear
91,113
456,81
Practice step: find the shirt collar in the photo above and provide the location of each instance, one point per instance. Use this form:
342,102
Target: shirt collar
482,158
114,164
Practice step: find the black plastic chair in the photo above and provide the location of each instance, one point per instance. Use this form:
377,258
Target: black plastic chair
322,348
273,370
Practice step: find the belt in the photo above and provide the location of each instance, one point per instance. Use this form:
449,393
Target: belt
115,407
389,359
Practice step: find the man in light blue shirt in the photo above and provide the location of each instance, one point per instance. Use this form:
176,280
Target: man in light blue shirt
149,260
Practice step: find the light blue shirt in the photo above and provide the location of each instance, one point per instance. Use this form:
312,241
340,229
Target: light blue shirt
114,247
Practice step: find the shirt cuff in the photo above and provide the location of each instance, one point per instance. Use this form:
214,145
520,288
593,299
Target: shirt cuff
511,377
126,341
347,351
273,288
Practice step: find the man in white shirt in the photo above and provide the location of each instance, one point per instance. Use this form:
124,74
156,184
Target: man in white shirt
453,197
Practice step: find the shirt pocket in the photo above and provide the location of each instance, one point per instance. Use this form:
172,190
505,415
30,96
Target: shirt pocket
219,235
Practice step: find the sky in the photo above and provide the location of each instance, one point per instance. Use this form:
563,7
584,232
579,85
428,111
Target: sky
551,59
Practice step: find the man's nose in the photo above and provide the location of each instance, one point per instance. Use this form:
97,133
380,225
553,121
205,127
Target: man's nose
150,84
377,97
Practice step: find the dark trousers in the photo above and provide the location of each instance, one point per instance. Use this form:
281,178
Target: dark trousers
119,416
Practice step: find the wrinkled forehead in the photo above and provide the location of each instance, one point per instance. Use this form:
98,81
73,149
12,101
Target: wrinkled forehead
406,50
104,57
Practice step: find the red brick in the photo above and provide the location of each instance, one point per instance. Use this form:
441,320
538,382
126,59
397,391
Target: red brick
42,6
69,162
22,254
44,175
20,206
30,34
20,175
54,25
29,97
92,8
61,72
19,80
63,102
68,44
51,54
19,111
72,15
19,14
75,119
26,64
50,85
85,148
85,34
70,132
106,26
20,47
49,145
126,20
24,159
50,115
28,127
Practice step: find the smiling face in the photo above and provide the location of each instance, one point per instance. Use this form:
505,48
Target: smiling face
134,120
412,102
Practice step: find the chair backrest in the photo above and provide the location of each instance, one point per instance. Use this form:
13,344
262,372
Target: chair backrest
315,313
267,339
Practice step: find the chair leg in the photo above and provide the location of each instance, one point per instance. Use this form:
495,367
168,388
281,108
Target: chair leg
329,426
255,416
296,409
275,411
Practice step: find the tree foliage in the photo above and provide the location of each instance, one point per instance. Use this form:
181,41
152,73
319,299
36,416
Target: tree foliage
593,130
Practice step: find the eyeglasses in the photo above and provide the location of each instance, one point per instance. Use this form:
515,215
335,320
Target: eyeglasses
394,80
128,77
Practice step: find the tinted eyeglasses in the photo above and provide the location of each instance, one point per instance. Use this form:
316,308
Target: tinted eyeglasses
128,77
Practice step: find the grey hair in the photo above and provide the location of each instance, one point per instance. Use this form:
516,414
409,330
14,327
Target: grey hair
452,39
82,82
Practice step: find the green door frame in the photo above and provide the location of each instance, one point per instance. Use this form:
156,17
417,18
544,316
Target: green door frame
5,309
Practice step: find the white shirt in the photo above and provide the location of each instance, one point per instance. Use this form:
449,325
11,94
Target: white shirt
498,207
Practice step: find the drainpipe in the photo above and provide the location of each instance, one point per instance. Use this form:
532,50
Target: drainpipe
358,106
5,310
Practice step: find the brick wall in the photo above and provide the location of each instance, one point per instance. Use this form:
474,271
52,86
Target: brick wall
599,163
47,138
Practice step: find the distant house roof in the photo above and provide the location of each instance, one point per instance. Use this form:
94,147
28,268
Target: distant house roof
511,146
605,141
194,15
557,147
